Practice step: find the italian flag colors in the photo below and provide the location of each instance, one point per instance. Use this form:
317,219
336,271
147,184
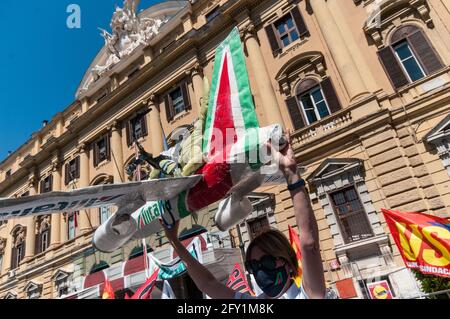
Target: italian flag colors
231,113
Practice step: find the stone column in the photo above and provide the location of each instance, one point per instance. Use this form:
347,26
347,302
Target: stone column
30,222
261,76
117,152
197,82
348,70
155,127
83,220
350,42
55,230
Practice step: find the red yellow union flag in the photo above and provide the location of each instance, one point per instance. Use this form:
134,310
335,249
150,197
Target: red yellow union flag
423,241
294,239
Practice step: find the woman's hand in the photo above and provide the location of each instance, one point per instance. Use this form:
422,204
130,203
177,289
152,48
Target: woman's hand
286,159
171,233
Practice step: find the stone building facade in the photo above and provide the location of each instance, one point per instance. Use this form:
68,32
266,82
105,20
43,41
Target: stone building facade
364,85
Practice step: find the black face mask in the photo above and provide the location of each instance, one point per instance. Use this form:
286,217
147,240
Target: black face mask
273,281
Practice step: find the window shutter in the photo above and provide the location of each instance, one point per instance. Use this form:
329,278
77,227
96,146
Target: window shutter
144,125
49,238
295,113
108,146
330,95
50,182
274,44
66,174
392,67
37,244
42,186
127,129
13,258
77,165
169,113
186,99
425,52
95,151
299,21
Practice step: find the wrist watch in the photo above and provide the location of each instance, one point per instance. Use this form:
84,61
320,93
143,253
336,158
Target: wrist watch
300,183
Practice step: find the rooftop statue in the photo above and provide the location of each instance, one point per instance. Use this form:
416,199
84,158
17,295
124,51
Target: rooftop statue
129,31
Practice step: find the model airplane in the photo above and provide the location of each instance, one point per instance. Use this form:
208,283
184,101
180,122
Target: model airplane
223,159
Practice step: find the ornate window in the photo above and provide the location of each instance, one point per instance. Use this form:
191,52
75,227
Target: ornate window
43,233
312,102
102,150
409,56
72,170
262,217
177,101
351,214
18,249
46,184
439,140
338,184
286,30
63,283
136,128
33,290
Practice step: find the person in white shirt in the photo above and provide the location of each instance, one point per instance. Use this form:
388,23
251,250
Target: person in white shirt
270,257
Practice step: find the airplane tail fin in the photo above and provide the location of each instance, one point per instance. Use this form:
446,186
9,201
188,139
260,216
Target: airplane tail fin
231,111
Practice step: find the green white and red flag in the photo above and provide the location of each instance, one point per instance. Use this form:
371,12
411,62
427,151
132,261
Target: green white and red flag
231,112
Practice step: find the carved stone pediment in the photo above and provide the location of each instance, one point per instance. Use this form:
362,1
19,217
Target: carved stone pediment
334,166
439,139
130,30
440,133
11,295
307,63
384,12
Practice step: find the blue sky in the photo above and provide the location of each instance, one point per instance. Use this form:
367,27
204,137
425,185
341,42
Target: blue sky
42,61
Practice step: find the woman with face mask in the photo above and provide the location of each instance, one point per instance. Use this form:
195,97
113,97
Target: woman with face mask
270,257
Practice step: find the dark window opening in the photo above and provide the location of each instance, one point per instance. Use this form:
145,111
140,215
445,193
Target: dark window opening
177,101
47,184
353,220
212,14
286,30
101,150
136,129
258,226
72,170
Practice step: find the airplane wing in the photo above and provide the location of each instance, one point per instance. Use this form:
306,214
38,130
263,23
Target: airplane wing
121,195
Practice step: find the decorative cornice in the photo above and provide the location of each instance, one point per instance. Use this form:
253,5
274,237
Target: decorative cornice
82,148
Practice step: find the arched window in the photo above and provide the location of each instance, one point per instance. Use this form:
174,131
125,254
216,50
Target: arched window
18,249
312,102
42,233
409,56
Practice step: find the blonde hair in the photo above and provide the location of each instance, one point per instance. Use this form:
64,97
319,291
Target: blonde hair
274,243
